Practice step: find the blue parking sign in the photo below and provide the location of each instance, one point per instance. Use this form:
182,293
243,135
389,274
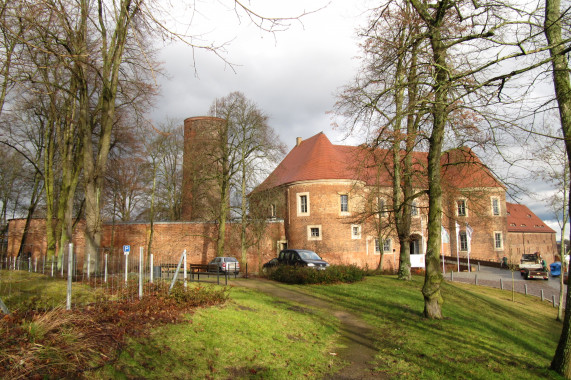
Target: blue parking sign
126,249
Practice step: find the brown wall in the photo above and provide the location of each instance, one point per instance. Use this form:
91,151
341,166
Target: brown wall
480,218
169,241
526,242
337,244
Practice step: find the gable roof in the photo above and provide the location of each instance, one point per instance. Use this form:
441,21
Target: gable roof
317,158
521,219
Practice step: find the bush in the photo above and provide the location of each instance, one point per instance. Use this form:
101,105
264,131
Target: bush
198,295
304,275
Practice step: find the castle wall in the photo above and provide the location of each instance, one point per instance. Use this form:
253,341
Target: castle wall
169,241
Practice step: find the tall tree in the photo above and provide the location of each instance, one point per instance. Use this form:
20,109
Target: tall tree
244,144
560,71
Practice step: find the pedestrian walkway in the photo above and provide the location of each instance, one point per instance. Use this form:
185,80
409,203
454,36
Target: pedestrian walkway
357,338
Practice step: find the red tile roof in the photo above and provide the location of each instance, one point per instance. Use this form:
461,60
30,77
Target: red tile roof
521,219
317,158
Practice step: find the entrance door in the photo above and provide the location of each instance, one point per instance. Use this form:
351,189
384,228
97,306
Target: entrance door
415,248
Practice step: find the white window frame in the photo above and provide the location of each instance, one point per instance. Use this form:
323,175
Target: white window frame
299,204
381,208
353,235
386,248
501,235
273,210
413,209
496,199
341,211
458,207
387,245
320,232
463,241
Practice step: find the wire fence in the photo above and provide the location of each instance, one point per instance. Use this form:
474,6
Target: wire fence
38,282
538,288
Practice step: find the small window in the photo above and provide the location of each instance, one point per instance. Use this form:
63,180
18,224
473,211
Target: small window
273,210
413,209
314,232
344,199
463,241
461,207
355,231
498,241
495,206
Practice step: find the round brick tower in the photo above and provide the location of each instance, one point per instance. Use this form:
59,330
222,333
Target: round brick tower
199,195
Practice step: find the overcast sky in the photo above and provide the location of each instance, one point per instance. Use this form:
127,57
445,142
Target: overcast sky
291,75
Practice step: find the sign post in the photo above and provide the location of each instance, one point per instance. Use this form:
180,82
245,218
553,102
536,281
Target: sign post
126,250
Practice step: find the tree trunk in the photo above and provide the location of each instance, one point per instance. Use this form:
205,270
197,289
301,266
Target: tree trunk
244,209
35,197
561,362
433,278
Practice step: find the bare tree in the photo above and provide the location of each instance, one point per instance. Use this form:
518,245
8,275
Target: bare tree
244,144
385,101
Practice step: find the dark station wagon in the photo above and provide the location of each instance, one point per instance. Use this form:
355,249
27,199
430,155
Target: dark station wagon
298,257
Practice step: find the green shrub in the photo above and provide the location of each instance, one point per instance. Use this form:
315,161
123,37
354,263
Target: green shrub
304,275
197,295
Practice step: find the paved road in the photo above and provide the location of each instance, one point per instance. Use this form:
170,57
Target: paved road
491,277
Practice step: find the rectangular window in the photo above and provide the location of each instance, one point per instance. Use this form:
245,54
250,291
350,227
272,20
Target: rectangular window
344,203
381,207
387,245
463,241
314,232
498,241
303,204
413,209
355,231
461,207
273,210
495,206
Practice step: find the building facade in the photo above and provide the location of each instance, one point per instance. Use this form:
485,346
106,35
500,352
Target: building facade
337,201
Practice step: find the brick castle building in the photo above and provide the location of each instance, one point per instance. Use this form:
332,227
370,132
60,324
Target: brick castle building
337,201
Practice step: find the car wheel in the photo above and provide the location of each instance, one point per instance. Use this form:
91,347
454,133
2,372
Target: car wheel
526,276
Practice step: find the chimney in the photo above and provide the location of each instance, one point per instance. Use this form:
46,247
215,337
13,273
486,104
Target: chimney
297,141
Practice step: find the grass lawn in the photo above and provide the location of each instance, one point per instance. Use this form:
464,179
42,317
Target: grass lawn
251,336
484,334
21,290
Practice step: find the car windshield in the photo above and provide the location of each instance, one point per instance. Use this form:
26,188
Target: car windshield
231,259
308,255
528,257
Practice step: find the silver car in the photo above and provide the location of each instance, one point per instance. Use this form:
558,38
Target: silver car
224,265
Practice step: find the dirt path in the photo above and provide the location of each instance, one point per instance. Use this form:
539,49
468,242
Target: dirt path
357,337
